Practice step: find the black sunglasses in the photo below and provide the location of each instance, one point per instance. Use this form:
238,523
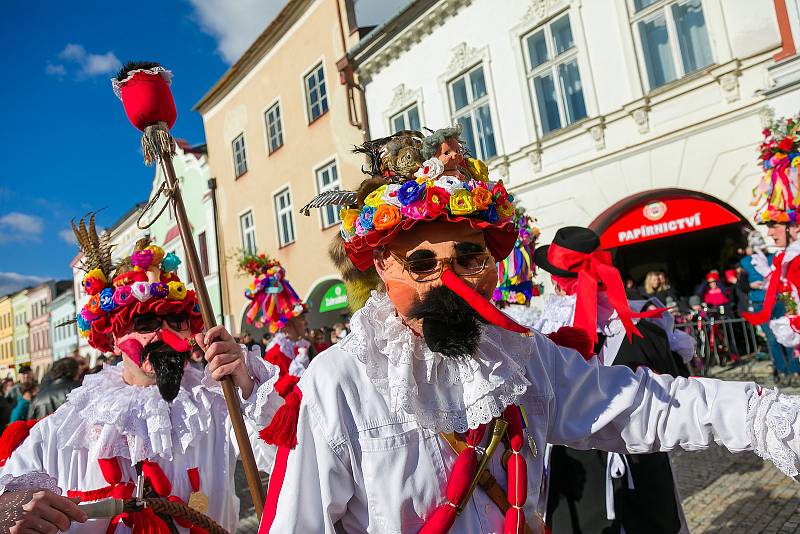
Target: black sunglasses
150,322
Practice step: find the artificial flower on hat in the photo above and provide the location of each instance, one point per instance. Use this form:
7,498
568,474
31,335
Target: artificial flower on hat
776,195
273,299
119,292
516,272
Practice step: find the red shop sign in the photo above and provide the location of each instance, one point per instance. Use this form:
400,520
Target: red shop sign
665,218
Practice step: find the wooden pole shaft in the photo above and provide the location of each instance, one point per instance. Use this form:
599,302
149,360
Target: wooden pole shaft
228,389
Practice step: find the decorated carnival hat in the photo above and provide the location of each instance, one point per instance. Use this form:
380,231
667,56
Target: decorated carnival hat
515,273
273,300
146,282
416,178
777,193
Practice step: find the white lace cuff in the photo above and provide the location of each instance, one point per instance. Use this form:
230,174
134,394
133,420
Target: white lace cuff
771,425
35,480
784,333
261,405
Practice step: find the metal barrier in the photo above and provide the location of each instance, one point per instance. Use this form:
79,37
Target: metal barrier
724,340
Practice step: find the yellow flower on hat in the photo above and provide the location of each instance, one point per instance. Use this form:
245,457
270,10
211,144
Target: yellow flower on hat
375,198
477,169
158,254
177,291
506,209
461,202
796,161
349,217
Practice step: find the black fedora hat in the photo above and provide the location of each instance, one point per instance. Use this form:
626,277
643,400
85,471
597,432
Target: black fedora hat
575,238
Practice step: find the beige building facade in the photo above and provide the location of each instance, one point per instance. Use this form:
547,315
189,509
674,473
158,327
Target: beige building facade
6,337
280,128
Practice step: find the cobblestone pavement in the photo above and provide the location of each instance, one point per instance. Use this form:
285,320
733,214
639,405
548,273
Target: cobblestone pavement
722,492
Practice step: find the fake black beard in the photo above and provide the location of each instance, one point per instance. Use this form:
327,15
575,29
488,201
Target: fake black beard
449,325
168,366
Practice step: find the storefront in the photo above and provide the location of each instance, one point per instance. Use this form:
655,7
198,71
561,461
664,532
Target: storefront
327,304
684,233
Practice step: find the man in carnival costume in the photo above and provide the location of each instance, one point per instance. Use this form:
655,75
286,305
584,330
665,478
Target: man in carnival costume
591,490
150,426
275,304
396,422
778,193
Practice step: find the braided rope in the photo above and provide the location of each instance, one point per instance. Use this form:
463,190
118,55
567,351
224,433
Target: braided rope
182,510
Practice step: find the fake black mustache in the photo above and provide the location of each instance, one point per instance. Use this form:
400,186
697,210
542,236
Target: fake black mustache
449,325
168,366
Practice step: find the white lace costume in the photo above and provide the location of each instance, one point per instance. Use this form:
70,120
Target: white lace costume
107,418
296,350
369,457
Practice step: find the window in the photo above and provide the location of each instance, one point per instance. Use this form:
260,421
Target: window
274,128
248,228
316,93
283,214
470,103
553,78
202,248
408,119
328,180
673,38
239,155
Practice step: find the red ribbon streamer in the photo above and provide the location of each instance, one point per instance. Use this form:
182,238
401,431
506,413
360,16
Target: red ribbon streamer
771,296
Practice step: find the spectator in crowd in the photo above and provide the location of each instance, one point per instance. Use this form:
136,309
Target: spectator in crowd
318,340
713,291
249,342
27,391
99,362
25,376
265,339
6,404
63,377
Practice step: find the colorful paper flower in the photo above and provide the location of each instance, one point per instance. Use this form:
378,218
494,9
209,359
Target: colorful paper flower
141,291
436,200
477,169
375,198
365,219
83,324
123,295
390,195
451,184
410,192
499,192
94,305
386,216
415,210
170,263
505,209
158,253
107,300
177,291
142,258
159,289
431,169
89,315
461,202
786,144
481,198
349,217
490,214
93,285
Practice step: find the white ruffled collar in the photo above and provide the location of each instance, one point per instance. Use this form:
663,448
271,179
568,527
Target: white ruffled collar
111,418
443,394
559,310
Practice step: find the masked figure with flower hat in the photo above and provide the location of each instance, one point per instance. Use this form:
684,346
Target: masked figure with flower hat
594,490
777,199
431,415
275,304
150,426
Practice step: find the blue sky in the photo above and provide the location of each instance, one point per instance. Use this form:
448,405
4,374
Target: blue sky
66,146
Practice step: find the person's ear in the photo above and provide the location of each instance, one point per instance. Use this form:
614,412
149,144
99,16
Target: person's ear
379,259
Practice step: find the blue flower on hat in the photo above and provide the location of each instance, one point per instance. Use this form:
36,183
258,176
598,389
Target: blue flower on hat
83,324
107,299
170,263
490,214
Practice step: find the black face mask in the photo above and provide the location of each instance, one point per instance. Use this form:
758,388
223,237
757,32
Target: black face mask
449,325
168,366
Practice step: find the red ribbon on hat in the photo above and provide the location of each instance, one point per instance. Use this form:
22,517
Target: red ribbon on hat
592,268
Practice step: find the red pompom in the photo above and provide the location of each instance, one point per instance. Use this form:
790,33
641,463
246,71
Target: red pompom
148,100
517,480
441,521
574,338
111,470
12,437
515,521
514,419
461,476
147,522
161,484
282,431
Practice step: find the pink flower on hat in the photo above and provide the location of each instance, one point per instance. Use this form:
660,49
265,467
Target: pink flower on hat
141,290
142,258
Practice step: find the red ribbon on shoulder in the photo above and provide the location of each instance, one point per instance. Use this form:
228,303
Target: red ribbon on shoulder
593,268
765,314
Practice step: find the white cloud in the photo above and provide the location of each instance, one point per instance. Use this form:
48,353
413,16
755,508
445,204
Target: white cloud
235,25
83,64
11,282
68,236
16,226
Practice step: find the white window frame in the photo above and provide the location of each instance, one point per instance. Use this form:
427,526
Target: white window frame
473,105
404,114
551,66
320,64
275,105
337,184
652,11
280,212
251,231
234,152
